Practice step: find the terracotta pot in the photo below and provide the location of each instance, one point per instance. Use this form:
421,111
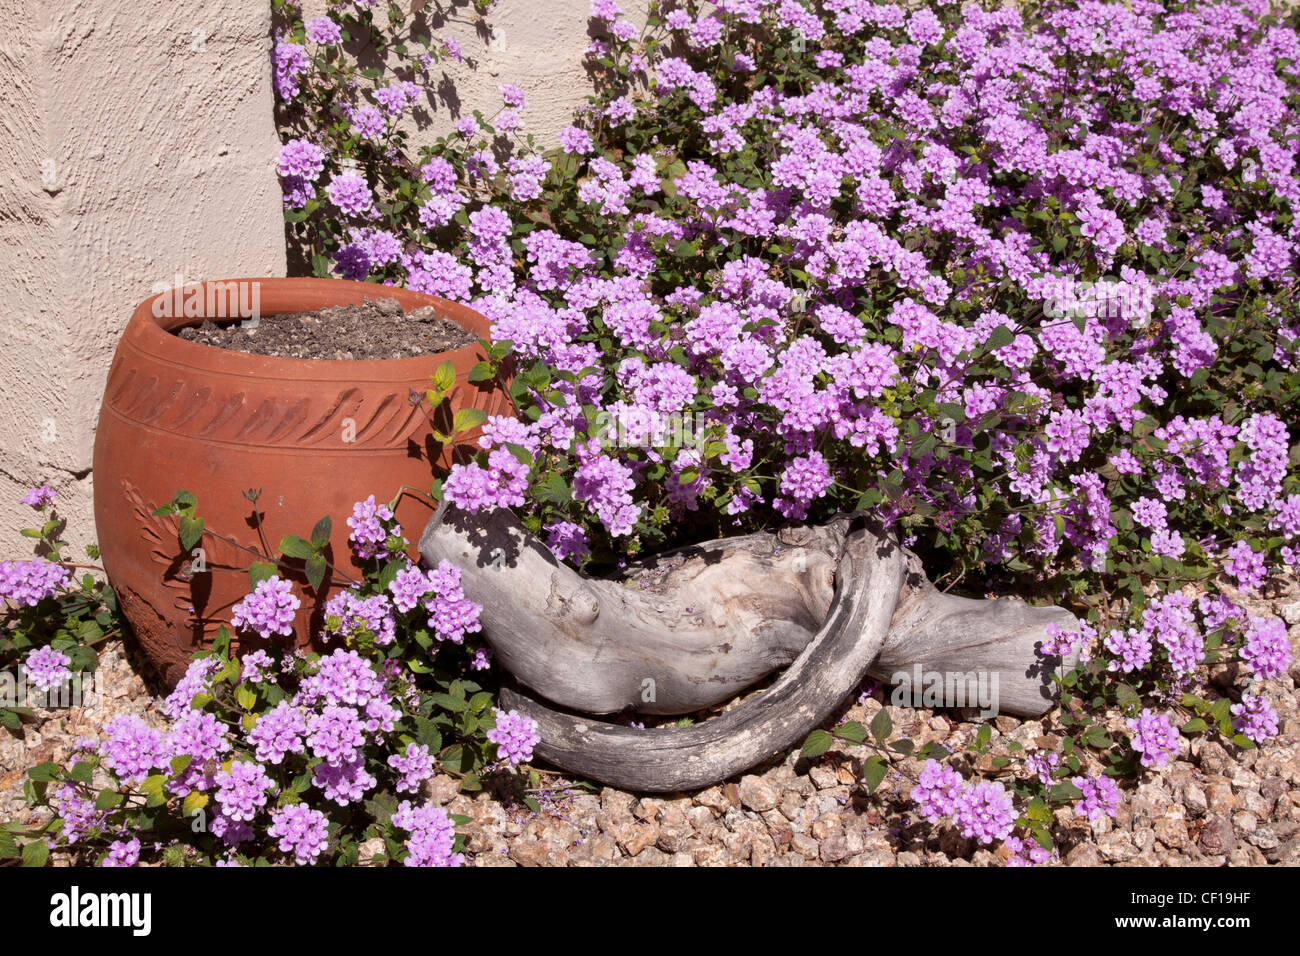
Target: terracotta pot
216,423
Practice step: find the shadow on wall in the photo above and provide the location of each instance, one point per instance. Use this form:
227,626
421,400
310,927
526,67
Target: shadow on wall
538,45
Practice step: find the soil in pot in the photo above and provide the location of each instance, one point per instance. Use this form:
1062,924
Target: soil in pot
375,329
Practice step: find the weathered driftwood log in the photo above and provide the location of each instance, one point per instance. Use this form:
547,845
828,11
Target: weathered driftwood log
685,758
952,651
691,629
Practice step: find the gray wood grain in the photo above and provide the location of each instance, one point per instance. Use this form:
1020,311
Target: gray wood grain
683,632
665,760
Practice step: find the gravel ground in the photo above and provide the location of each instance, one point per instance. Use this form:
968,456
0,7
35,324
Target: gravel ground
1213,806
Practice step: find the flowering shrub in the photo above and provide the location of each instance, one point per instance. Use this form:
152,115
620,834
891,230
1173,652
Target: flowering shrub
50,621
772,219
291,757
1017,279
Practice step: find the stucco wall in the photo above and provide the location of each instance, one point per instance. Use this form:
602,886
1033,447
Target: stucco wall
136,143
537,45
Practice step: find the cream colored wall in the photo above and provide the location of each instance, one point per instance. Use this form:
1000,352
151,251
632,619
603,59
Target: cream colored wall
136,142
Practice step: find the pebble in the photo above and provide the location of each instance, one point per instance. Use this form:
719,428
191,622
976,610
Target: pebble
1085,854
1217,836
757,794
1291,612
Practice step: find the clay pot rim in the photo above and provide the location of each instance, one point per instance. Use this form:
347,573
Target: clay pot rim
156,334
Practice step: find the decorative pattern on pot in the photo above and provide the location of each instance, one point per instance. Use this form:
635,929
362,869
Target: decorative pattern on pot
314,435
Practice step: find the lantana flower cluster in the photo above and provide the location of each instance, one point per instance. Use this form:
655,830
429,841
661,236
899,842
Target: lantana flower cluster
30,582
297,757
981,811
285,776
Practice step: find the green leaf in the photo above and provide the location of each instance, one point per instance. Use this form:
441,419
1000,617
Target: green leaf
881,725
1127,697
457,758
44,771
1195,726
932,751
1038,810
221,646
190,531
107,800
194,801
817,743
292,546
481,372
36,853
999,338
903,747
852,731
260,571
390,570
447,702
320,534
468,418
427,733
874,769
153,790
315,568
1097,737
181,762
445,377
1065,791
553,489
245,696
